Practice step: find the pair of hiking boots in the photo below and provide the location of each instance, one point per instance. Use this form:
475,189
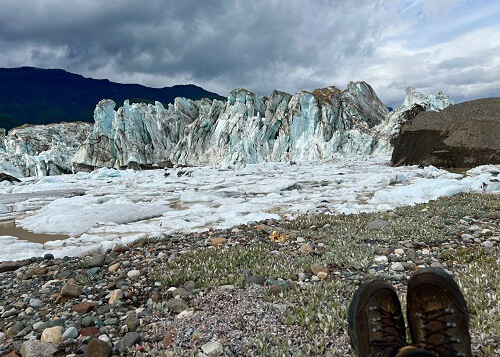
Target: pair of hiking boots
437,316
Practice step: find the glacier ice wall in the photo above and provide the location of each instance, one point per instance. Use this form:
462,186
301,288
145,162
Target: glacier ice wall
41,150
246,128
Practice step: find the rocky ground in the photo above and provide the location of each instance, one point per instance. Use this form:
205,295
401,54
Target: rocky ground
268,288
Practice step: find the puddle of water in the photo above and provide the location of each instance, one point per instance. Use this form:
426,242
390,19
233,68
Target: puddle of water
9,228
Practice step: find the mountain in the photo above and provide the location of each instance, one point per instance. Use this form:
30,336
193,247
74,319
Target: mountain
41,96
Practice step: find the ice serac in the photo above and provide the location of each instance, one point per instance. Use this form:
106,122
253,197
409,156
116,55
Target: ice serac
41,150
246,128
137,134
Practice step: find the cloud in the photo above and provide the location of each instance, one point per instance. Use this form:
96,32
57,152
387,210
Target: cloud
260,45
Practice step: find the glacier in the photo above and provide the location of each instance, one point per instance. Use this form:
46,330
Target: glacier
246,129
41,150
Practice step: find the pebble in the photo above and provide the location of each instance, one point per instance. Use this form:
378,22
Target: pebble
36,303
397,266
71,332
97,348
129,340
306,248
9,313
176,305
52,334
114,267
96,260
88,321
212,348
218,241
487,244
134,275
116,295
71,290
37,349
377,225
380,259
399,251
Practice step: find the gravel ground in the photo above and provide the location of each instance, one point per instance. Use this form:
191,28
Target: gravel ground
267,288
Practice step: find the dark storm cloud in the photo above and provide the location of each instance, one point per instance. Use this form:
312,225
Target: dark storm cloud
260,45
235,42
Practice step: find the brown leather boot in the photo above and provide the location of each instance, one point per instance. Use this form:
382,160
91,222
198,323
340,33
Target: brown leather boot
376,324
438,317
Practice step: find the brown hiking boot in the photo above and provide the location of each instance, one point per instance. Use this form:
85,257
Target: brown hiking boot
437,313
376,324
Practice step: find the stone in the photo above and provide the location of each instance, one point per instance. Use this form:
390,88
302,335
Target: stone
71,290
129,340
88,321
176,305
36,303
317,269
96,260
218,241
111,321
486,232
377,225
185,313
97,348
134,275
35,272
181,292
71,332
113,268
90,331
3,336
52,334
116,295
167,340
397,266
322,275
380,259
399,252
132,323
306,248
9,266
212,348
461,135
33,348
83,307
259,280
487,244
14,330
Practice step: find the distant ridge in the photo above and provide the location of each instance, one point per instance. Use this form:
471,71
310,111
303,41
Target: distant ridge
31,95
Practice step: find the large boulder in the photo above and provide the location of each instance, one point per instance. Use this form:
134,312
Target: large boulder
462,135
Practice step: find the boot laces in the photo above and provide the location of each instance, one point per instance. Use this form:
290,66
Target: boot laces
438,316
390,329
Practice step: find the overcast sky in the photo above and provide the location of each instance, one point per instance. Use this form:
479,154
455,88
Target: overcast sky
261,45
